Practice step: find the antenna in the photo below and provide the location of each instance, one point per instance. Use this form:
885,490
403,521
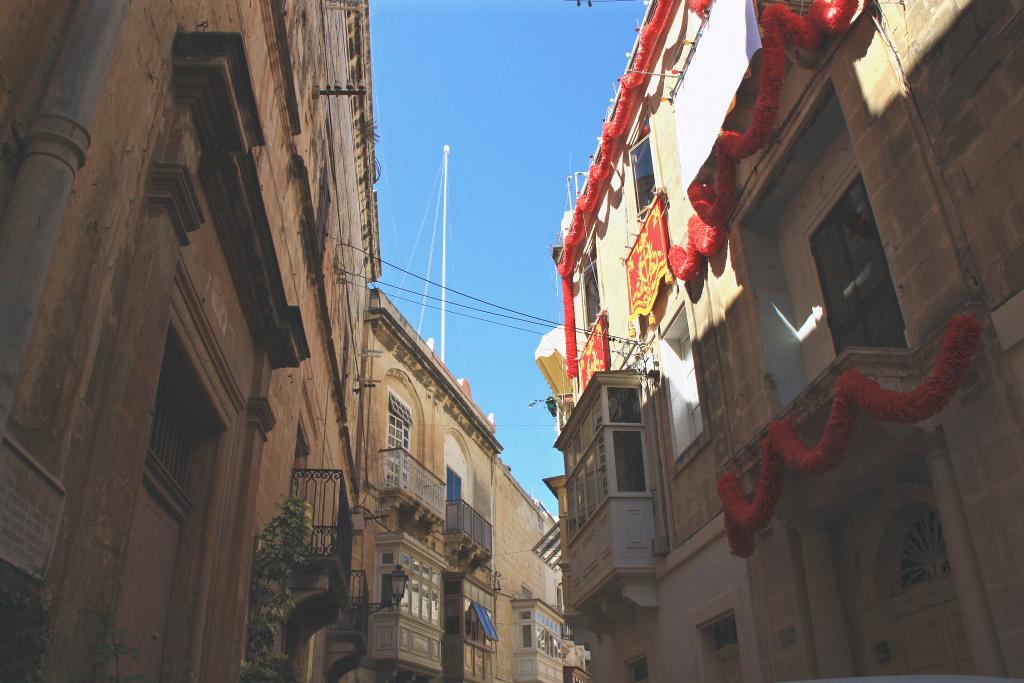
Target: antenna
444,247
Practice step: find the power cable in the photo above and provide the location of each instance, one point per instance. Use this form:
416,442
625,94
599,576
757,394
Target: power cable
539,320
465,315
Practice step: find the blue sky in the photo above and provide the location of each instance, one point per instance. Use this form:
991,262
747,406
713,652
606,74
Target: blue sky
518,89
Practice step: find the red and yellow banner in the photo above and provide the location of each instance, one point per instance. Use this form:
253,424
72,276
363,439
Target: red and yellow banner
647,262
595,354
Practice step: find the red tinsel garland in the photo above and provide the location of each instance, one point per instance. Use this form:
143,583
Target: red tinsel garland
782,447
601,170
707,234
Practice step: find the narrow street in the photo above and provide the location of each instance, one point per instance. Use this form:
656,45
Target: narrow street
334,350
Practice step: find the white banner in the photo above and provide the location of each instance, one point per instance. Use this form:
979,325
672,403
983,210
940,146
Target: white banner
722,56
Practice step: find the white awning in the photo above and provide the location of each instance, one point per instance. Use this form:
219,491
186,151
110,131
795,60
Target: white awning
550,358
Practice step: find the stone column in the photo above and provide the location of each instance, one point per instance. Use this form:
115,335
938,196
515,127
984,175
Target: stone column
55,142
831,640
979,628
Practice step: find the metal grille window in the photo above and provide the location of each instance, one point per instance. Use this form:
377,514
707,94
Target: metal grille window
399,423
860,299
923,556
172,437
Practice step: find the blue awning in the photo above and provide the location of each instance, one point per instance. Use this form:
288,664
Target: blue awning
485,621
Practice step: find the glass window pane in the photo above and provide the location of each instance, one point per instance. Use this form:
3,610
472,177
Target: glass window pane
624,405
854,275
602,470
591,485
591,291
629,462
643,171
527,635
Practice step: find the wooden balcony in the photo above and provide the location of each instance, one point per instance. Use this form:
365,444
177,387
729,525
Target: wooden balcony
467,535
611,562
466,660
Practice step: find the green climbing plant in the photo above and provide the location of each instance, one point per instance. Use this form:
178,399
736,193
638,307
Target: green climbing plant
111,655
282,548
24,632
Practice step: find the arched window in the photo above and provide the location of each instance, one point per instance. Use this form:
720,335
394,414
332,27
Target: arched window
923,557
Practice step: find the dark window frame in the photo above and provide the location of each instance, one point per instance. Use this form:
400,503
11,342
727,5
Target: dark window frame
862,304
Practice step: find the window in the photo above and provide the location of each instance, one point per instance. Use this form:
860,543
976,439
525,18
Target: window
422,598
643,168
399,423
624,405
923,557
638,670
629,461
591,290
454,485
684,399
860,301
172,437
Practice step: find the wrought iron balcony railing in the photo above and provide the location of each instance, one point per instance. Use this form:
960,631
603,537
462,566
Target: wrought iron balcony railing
460,517
399,471
331,536
354,617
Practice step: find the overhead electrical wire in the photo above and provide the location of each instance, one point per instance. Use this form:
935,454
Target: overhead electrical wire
539,320
464,315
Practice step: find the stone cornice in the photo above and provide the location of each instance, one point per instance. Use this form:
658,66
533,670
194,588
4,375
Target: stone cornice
211,77
893,369
395,334
171,188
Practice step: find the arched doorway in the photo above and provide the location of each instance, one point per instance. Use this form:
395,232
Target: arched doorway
922,597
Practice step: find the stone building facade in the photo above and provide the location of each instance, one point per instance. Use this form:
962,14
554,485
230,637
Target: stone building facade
437,500
905,557
180,204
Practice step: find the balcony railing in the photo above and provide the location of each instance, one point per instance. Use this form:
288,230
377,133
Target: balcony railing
399,471
354,616
459,516
331,536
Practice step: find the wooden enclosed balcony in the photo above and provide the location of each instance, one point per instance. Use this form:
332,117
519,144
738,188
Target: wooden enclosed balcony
405,483
465,660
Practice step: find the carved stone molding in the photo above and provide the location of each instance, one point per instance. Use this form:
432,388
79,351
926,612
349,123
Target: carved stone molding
171,188
211,78
259,413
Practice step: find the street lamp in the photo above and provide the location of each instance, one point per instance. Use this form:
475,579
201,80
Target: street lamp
398,580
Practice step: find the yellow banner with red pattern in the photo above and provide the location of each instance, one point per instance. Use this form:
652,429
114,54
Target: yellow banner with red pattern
647,262
595,354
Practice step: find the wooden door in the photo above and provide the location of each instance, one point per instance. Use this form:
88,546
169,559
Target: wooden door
144,603
934,640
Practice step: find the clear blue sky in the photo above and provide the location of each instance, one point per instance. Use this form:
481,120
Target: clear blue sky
518,89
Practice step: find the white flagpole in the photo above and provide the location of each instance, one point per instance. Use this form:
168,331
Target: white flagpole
444,247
